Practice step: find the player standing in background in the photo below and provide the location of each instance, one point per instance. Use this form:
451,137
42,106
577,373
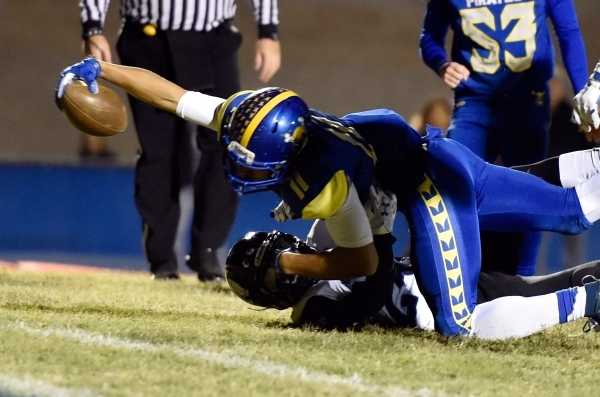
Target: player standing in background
195,44
501,60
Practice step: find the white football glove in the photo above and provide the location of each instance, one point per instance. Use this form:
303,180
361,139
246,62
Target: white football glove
381,210
282,213
585,103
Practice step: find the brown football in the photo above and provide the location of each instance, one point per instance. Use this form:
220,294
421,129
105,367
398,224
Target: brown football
101,114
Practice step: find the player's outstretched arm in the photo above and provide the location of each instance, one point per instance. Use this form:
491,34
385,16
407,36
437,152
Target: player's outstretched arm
146,86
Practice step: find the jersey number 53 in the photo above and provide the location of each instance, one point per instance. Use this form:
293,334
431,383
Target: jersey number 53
524,30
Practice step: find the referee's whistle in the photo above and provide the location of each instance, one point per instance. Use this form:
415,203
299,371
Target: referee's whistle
149,30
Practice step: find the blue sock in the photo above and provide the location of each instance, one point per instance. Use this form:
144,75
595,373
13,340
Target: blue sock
566,300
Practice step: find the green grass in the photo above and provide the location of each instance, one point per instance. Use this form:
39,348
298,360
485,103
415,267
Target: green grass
114,334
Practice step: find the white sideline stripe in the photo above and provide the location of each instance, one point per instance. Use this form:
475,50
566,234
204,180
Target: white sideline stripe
11,386
228,360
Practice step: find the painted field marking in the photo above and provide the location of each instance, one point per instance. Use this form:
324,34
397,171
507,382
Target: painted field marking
12,386
228,360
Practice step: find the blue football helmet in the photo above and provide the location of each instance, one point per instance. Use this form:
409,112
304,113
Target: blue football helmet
262,131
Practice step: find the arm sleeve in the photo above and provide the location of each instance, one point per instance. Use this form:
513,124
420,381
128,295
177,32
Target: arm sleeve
570,40
363,302
266,14
349,226
93,13
433,35
199,108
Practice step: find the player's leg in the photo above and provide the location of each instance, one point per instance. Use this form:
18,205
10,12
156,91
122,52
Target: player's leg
215,201
566,170
444,245
516,201
475,126
493,285
523,140
470,127
156,176
516,316
458,192
444,223
524,131
509,200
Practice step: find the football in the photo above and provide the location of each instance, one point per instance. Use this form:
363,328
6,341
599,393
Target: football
102,114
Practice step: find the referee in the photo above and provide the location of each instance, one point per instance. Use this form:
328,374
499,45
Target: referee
194,44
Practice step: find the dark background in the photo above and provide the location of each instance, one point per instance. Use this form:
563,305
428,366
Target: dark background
340,55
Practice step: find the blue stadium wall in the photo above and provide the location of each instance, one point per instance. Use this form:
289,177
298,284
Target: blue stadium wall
75,211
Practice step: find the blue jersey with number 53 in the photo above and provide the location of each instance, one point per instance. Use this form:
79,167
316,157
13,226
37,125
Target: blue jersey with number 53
505,44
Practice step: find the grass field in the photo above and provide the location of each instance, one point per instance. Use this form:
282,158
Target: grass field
120,334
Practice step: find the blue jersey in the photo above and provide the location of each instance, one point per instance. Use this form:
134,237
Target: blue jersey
445,191
357,148
505,44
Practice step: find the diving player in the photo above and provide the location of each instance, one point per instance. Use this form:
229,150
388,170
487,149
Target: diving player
322,167
502,58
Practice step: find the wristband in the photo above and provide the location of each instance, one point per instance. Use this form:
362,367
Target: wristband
276,264
91,32
270,31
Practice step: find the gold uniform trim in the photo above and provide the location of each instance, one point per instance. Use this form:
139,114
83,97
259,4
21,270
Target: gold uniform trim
329,200
298,185
447,246
260,115
223,106
349,135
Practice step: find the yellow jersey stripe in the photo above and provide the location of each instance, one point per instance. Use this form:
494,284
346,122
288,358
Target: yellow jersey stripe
329,200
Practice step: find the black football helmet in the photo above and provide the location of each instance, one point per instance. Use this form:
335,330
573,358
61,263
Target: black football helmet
251,273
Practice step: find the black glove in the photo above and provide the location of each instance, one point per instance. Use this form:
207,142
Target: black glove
365,300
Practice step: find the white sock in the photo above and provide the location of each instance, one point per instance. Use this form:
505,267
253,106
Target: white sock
588,193
578,306
517,316
576,167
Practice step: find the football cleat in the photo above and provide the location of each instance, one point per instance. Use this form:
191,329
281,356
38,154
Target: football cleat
592,306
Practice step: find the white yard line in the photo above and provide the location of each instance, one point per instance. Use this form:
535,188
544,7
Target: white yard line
228,360
11,386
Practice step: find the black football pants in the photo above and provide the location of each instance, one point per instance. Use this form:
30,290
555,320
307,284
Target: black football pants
205,62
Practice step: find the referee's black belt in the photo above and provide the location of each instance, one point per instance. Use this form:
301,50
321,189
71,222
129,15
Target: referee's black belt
150,29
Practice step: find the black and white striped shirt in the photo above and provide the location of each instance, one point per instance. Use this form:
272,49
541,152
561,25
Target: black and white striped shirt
198,15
